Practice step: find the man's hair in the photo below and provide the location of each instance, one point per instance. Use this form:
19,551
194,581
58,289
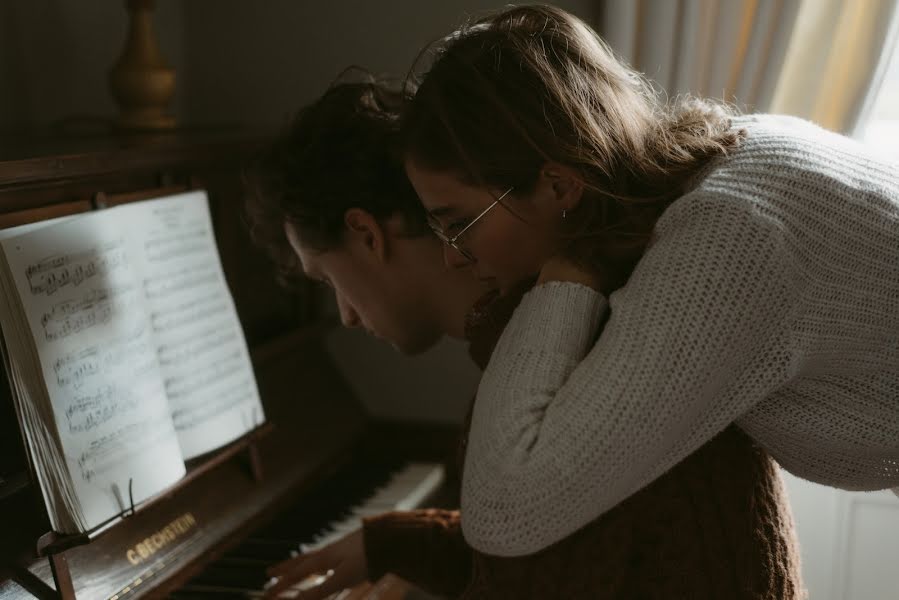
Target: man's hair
340,152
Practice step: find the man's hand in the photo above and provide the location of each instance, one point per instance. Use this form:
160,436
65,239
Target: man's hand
341,564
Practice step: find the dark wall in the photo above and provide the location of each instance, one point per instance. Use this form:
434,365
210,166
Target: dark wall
55,55
258,65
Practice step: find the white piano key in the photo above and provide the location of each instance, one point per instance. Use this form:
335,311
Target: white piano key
407,489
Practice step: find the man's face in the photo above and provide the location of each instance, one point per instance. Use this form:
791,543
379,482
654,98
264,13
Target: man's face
371,294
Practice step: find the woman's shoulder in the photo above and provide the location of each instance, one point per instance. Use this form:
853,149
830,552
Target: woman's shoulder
785,174
761,122
784,146
708,212
781,157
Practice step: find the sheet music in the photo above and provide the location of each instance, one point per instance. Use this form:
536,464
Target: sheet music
24,405
198,339
86,313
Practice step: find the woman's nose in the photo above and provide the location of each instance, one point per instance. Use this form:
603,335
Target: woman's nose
453,258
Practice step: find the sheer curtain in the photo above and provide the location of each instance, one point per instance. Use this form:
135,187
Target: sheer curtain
838,56
727,49
815,58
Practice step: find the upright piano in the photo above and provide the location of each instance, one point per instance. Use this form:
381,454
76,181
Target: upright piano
324,462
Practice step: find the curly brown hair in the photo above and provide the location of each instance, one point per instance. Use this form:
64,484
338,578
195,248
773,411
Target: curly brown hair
340,152
512,91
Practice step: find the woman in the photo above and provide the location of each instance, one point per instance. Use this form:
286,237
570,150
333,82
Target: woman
748,269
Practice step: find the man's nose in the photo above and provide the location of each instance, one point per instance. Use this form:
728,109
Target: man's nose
348,316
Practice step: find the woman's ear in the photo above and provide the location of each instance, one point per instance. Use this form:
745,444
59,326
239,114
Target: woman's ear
566,184
365,233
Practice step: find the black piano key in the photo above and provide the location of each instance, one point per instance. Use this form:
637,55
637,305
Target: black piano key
261,549
232,576
197,592
303,522
190,593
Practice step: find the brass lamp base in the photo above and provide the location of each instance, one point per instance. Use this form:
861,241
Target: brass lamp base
140,81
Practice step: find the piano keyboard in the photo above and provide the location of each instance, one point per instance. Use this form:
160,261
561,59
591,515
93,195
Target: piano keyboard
327,514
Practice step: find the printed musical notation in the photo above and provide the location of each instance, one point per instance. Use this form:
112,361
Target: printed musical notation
212,405
196,346
173,215
98,315
48,275
180,281
73,369
190,383
189,312
106,452
87,413
134,350
178,245
94,308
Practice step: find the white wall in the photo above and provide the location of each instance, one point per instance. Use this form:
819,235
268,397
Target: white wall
848,541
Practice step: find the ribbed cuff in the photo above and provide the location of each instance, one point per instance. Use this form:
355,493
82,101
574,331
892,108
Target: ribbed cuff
559,317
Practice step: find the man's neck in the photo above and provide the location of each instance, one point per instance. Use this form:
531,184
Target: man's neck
454,295
452,292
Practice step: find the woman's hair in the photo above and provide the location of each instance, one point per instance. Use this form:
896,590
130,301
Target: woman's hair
340,152
529,85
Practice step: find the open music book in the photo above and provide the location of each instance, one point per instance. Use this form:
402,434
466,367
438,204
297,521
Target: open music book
124,353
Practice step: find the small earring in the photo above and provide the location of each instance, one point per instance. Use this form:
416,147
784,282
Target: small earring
564,213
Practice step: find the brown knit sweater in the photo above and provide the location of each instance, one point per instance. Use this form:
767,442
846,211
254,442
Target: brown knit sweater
716,526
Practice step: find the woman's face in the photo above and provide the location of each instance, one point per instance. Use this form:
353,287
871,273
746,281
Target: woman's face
509,243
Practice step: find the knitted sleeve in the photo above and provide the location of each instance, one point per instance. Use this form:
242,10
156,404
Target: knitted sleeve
424,547
564,428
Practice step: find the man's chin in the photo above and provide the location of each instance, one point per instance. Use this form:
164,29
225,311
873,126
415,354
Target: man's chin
411,347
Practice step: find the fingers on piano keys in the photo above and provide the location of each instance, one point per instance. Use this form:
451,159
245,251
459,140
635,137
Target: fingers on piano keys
241,573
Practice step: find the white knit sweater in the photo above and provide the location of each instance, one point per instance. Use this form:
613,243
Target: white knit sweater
769,297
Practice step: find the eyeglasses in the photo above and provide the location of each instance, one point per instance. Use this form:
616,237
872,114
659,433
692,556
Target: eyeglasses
453,241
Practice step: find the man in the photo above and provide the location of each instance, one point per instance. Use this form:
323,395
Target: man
329,201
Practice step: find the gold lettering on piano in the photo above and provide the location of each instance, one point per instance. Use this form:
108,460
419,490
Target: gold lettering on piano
160,539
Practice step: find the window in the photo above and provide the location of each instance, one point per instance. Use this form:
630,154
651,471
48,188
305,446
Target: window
881,128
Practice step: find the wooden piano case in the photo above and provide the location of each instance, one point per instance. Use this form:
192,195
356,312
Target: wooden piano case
317,426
